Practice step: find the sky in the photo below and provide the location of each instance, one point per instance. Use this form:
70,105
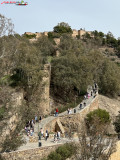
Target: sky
43,15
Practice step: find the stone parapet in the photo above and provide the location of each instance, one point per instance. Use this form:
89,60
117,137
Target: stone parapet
31,154
74,119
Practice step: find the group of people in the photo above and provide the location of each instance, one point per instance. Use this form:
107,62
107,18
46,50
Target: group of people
29,128
57,136
88,95
36,118
42,134
69,111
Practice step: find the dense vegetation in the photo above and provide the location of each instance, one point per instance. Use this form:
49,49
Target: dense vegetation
100,114
101,39
62,152
79,64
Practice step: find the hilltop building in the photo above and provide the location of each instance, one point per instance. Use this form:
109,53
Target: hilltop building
75,33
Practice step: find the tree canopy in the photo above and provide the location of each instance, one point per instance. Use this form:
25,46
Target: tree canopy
62,28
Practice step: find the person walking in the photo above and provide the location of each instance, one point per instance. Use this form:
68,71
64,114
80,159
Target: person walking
36,118
84,104
68,110
40,119
91,93
39,135
74,110
58,135
41,130
56,112
55,137
80,106
46,135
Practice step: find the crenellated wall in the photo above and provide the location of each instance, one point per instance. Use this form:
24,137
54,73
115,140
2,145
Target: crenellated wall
75,33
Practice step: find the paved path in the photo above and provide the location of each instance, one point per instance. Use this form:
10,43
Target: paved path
49,142
50,118
44,122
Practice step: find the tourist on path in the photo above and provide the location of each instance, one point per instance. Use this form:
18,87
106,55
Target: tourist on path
41,130
55,137
40,119
74,110
46,135
36,119
91,93
68,111
80,106
39,135
58,135
56,114
84,104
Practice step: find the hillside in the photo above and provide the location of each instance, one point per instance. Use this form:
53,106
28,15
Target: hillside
57,66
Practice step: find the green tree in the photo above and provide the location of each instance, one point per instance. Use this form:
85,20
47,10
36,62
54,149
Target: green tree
102,115
62,28
93,140
110,79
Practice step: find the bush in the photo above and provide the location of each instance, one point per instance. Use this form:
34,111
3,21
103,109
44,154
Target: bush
54,156
62,152
100,114
30,36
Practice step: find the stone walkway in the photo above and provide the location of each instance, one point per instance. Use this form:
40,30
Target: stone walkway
49,142
50,118
44,122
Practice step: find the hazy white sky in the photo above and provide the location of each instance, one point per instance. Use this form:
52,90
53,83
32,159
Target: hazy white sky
43,15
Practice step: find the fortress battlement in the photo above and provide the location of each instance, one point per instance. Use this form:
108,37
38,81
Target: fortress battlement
75,33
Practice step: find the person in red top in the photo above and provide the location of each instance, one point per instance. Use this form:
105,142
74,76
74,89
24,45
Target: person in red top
56,112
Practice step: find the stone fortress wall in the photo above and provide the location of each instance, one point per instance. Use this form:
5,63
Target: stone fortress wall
75,33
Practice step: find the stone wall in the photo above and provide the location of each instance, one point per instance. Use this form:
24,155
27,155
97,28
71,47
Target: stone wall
57,41
45,104
75,33
74,119
31,154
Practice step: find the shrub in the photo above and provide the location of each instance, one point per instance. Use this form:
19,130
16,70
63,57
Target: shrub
102,115
30,36
54,156
63,152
